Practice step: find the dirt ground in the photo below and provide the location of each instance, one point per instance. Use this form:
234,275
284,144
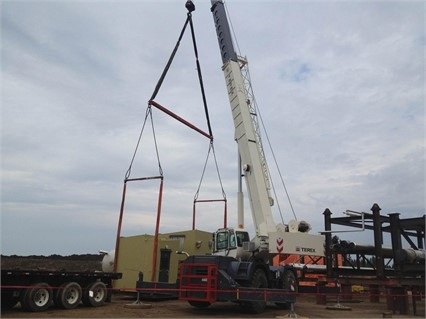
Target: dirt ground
305,306
88,262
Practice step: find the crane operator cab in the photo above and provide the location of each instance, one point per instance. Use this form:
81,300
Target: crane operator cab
231,242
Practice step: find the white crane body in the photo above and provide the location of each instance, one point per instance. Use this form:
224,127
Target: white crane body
270,238
256,183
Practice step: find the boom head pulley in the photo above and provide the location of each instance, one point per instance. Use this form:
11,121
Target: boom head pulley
190,6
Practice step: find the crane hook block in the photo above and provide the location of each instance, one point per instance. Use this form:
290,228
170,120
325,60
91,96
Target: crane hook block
190,6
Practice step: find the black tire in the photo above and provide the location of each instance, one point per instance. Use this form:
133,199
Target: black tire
289,284
68,295
8,299
37,298
199,304
258,280
95,294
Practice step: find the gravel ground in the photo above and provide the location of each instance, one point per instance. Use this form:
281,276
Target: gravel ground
305,307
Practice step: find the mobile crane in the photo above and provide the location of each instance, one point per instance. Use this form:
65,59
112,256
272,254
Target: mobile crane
271,238
240,269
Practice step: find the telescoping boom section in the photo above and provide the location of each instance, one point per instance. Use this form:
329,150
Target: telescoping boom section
271,238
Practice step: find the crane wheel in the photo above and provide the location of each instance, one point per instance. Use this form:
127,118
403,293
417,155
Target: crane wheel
259,280
290,284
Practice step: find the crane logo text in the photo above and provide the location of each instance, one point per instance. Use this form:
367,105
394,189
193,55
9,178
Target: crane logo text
305,249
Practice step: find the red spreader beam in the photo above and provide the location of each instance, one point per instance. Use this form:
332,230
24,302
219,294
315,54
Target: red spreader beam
177,117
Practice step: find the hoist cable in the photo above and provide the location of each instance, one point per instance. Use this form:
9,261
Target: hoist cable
160,169
202,174
217,170
211,149
277,166
147,113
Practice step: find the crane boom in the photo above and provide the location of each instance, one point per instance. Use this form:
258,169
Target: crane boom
271,238
247,133
250,151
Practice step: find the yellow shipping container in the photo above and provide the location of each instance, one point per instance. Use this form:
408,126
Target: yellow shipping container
135,255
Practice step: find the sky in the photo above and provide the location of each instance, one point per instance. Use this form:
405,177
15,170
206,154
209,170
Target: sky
340,86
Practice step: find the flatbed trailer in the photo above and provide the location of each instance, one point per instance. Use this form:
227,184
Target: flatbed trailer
37,290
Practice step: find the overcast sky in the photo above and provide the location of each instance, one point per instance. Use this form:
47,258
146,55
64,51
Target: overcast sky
340,85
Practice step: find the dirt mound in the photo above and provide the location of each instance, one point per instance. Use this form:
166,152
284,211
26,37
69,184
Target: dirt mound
83,262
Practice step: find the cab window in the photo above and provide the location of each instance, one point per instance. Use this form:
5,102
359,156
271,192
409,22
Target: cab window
242,237
222,240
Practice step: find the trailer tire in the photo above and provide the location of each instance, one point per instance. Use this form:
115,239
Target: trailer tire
95,294
68,295
258,280
199,304
290,284
37,298
8,299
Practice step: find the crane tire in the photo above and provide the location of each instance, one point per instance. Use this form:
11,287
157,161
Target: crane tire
95,294
258,280
68,295
38,297
289,279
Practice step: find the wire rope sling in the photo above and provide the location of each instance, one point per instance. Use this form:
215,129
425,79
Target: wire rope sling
149,119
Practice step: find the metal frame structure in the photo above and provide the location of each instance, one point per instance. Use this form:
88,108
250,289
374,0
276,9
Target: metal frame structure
404,269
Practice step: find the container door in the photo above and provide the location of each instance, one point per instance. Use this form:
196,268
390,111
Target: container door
164,265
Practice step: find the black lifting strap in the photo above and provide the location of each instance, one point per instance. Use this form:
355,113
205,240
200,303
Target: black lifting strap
169,63
191,7
200,77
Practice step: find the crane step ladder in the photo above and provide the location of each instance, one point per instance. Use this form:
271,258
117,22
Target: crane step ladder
198,282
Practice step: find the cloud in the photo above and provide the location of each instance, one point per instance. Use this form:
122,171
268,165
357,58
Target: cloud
340,86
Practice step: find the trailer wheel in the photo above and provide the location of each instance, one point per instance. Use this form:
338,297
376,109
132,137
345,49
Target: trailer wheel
199,304
68,295
95,294
290,284
37,298
8,299
258,280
